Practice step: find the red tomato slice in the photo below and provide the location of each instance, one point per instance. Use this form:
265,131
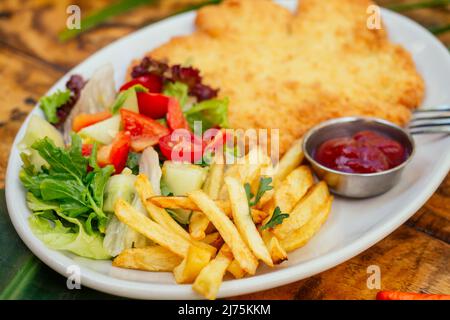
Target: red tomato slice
144,131
119,151
116,153
175,116
84,120
153,105
152,82
182,146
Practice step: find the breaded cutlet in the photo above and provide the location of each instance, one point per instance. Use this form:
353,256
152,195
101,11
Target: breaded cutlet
292,71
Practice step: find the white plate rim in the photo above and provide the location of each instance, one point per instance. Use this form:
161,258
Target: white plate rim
131,289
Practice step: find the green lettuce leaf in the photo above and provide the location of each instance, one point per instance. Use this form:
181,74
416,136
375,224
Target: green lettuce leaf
51,103
59,237
36,204
212,113
123,96
177,90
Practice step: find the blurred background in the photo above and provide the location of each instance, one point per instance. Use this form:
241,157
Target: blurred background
36,50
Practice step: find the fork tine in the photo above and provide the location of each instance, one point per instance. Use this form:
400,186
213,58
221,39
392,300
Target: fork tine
430,120
430,130
437,117
431,124
432,110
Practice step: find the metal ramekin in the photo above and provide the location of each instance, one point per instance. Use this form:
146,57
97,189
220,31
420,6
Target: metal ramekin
356,185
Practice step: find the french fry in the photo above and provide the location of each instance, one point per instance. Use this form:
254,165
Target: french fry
181,202
244,222
153,258
291,190
305,209
277,252
291,160
210,278
142,224
301,236
227,230
144,189
199,222
198,225
235,269
214,181
196,259
250,170
214,239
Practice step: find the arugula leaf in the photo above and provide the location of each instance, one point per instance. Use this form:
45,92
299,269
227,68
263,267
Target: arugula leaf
93,157
97,186
177,90
277,218
264,186
133,162
67,180
212,113
62,161
64,190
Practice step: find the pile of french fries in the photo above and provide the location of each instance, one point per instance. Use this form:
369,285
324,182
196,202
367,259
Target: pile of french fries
225,234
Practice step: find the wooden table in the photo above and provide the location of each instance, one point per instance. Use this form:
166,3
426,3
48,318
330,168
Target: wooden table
416,257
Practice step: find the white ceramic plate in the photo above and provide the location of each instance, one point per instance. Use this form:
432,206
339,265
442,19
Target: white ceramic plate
353,226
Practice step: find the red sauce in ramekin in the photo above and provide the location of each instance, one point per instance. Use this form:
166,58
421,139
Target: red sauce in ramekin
364,152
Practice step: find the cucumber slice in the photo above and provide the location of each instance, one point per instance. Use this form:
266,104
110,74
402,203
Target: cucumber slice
131,102
182,178
104,131
120,186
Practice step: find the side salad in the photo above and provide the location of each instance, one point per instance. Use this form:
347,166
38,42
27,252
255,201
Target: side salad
96,139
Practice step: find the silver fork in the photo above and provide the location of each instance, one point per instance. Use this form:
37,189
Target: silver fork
430,120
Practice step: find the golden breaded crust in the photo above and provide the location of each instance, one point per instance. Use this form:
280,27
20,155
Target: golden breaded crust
291,72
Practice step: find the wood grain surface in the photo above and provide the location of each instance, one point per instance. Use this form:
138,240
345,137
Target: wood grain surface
416,257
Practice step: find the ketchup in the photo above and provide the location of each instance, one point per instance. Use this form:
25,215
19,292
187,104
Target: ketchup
364,152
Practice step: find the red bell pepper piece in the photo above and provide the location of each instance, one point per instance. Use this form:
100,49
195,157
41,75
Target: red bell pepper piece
153,105
144,131
85,120
175,116
150,81
397,295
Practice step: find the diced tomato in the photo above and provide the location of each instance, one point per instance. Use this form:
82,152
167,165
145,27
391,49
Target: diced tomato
152,82
85,120
86,149
397,295
144,131
153,105
175,116
182,146
116,153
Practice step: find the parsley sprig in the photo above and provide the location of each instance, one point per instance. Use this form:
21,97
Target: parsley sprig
264,186
277,218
